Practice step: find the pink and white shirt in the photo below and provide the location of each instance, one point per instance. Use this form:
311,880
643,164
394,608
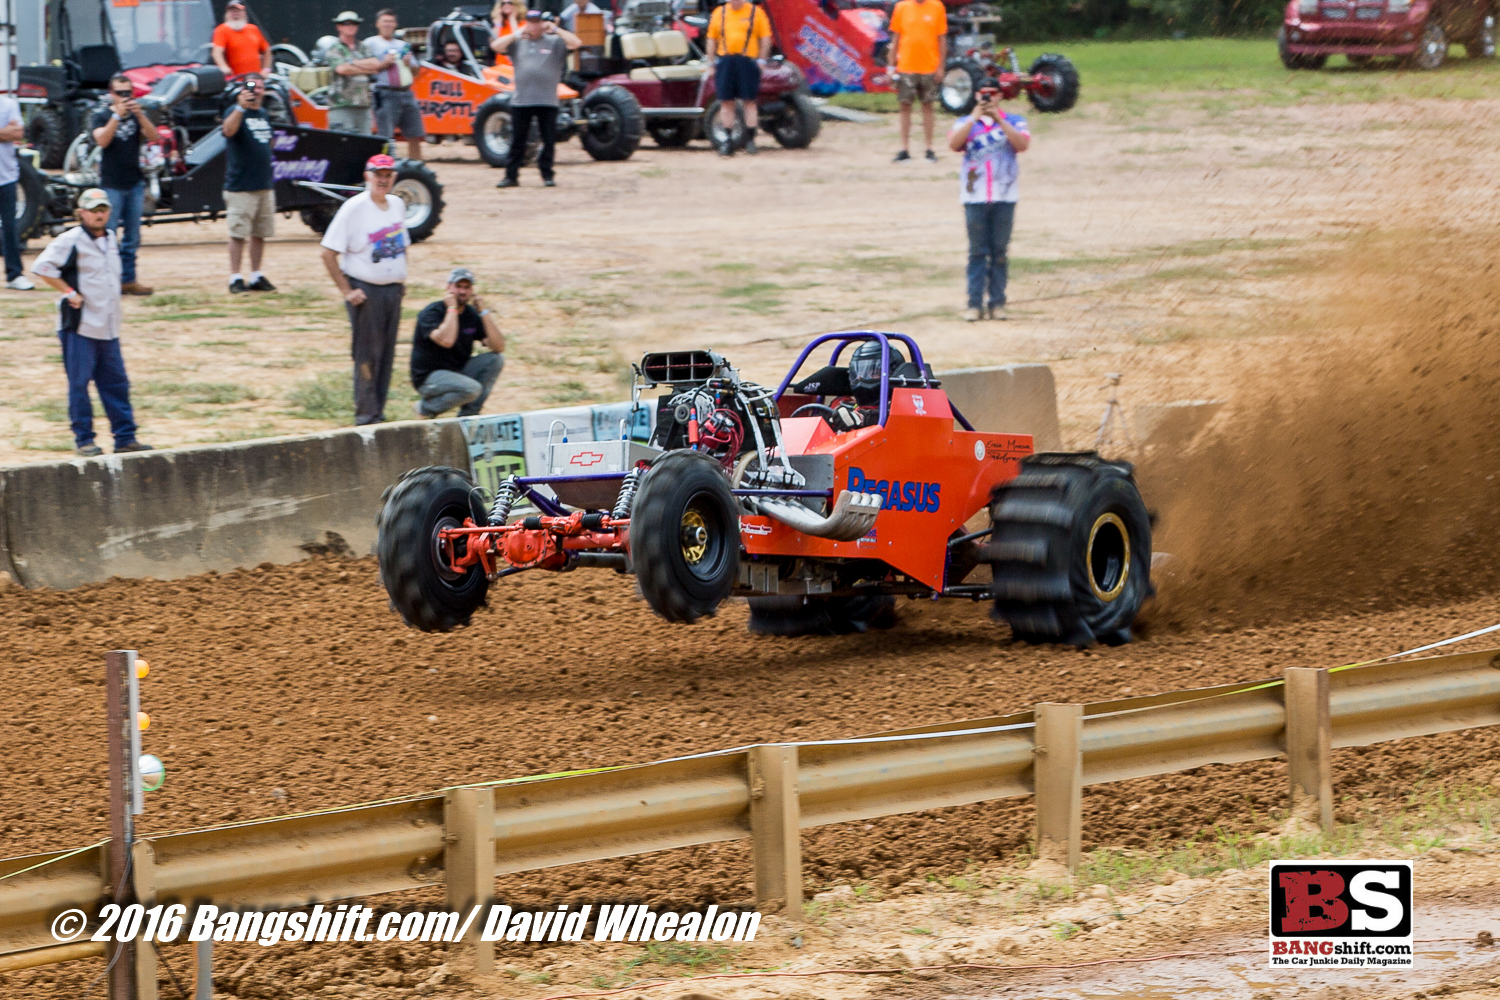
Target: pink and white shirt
990,170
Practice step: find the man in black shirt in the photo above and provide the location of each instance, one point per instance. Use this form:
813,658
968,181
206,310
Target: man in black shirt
249,178
118,131
442,369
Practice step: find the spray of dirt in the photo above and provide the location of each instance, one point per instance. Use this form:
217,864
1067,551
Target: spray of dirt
1366,478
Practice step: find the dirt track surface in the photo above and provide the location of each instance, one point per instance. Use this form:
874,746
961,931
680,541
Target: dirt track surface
275,690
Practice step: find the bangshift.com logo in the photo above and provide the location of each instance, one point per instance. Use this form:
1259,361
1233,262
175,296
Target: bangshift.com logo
1356,915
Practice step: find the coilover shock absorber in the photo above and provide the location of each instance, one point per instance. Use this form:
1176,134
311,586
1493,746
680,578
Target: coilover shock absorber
627,495
505,498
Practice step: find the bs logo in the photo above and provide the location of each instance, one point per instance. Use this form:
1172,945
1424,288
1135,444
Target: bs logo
1341,913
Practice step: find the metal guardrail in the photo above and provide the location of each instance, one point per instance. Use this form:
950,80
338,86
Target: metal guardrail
740,794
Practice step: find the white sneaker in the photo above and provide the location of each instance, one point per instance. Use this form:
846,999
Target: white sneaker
20,284
971,315
997,312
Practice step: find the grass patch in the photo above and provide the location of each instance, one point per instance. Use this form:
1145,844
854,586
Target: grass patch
654,172
693,957
1228,74
216,393
571,391
329,396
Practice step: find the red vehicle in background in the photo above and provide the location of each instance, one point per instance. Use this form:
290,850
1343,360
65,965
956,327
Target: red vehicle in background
1415,32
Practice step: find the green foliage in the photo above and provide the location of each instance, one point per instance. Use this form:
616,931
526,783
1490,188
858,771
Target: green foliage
217,393
1040,20
329,396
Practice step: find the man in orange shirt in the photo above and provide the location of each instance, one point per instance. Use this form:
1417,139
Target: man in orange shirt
739,38
918,52
239,47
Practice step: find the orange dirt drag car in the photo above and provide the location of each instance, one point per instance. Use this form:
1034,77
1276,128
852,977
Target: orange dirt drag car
820,501
473,100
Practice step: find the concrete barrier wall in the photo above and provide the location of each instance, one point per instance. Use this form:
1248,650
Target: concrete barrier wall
182,511
1018,399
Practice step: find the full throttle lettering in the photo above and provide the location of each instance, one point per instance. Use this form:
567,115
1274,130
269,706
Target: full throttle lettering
896,494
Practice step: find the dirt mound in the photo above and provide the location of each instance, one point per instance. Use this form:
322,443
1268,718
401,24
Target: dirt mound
1365,479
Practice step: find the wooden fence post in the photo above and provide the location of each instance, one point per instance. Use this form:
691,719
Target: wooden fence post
1309,745
143,875
775,827
469,862
1058,774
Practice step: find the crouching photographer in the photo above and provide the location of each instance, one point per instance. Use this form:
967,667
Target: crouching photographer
444,369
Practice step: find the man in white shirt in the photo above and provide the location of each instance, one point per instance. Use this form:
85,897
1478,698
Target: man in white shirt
12,131
84,265
569,15
364,251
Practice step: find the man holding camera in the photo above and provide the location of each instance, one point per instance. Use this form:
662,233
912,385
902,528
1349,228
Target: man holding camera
119,130
249,201
444,369
539,52
989,138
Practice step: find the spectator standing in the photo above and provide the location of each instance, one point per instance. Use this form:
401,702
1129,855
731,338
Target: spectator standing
739,37
238,45
12,131
84,265
444,369
990,138
569,15
249,182
119,130
540,54
349,90
503,17
364,251
395,104
918,52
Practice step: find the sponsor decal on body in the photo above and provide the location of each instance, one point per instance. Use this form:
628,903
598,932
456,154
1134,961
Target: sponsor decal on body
897,494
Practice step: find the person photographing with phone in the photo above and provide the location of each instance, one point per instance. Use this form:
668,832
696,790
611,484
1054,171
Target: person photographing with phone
989,140
539,52
249,182
119,129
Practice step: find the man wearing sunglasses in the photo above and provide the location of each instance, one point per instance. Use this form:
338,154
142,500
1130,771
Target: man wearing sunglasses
119,129
249,182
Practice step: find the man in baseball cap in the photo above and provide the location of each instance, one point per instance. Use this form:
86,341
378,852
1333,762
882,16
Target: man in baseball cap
364,250
539,52
349,97
445,371
83,264
238,45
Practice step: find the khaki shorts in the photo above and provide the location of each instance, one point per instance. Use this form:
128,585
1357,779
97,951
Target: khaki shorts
251,213
922,89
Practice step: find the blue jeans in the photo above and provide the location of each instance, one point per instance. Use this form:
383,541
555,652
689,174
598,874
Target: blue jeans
989,237
98,361
10,231
125,207
442,390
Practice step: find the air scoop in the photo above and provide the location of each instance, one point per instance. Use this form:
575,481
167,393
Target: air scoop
853,516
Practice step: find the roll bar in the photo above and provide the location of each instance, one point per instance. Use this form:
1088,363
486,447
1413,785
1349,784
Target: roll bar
846,337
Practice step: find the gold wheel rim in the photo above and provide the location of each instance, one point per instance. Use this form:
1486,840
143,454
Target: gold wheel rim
692,521
1107,520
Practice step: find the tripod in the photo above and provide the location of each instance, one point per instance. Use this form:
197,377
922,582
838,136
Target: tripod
1113,409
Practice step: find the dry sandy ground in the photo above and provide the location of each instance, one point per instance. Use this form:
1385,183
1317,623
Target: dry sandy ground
1163,241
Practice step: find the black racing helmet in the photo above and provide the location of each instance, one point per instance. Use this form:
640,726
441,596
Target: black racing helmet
864,370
